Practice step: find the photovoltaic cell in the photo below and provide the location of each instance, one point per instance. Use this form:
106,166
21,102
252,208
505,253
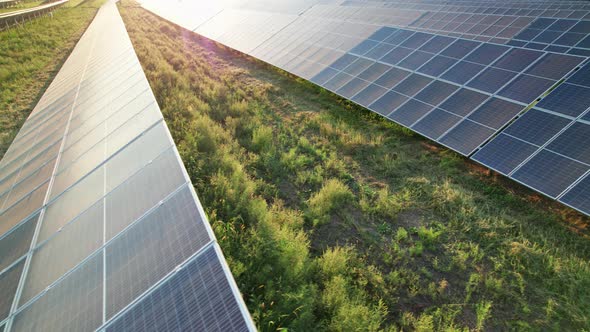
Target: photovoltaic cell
537,127
63,251
579,196
152,248
130,200
466,136
436,123
462,72
16,243
410,112
550,173
526,88
571,142
74,304
196,298
392,78
436,92
567,99
8,284
504,153
517,59
412,84
463,102
495,113
491,79
554,66
388,102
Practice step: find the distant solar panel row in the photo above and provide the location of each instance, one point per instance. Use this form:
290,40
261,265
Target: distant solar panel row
456,72
99,223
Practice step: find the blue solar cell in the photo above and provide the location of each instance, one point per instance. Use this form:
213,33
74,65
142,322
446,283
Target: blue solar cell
527,34
550,173
570,38
363,47
17,243
197,298
338,81
579,51
463,102
151,248
557,49
496,113
436,92
379,51
417,40
436,123
344,61
466,137
504,153
382,33
396,55
585,43
437,44
460,48
547,37
526,88
579,196
352,88
374,71
536,126
358,66
390,101
399,36
542,23
8,284
410,112
369,95
516,43
462,72
392,78
535,46
412,84
491,79
554,66
486,53
415,60
567,99
517,59
323,76
582,27
581,77
437,65
562,25
572,142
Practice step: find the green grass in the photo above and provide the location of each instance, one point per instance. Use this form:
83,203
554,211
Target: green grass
333,218
30,56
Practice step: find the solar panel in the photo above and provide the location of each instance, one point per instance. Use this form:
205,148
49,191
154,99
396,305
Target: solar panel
96,208
464,74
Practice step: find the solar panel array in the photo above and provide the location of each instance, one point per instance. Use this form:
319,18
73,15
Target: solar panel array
100,227
465,74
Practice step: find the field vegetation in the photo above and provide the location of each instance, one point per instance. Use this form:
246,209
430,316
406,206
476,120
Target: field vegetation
333,218
31,55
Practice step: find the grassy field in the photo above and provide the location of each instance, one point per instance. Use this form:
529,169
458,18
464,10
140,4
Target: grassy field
335,219
30,56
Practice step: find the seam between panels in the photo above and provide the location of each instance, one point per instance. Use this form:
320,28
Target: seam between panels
24,273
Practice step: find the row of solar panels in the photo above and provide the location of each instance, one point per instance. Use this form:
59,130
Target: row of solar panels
100,227
470,90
